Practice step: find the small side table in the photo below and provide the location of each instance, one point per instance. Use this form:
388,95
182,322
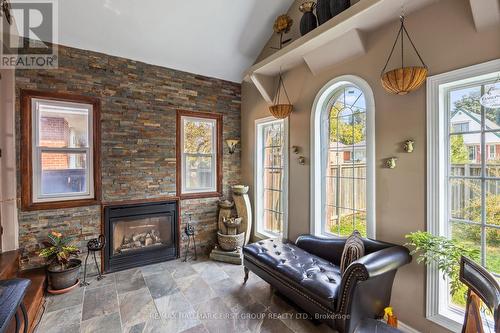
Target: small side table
12,293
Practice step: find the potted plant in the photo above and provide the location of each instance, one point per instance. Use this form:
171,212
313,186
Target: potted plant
62,270
445,254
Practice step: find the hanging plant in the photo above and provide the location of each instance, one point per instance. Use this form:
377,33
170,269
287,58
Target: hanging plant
281,110
404,79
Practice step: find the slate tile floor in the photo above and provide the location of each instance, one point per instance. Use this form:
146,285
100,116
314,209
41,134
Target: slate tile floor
174,297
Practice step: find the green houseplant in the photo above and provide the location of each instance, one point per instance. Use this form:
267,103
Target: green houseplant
445,254
62,268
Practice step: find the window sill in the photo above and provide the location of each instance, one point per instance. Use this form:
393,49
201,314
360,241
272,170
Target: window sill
265,235
32,206
200,195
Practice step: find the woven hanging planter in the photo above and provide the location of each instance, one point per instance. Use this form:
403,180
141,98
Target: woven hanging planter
281,110
403,80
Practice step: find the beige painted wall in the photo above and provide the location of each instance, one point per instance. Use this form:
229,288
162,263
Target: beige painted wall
446,37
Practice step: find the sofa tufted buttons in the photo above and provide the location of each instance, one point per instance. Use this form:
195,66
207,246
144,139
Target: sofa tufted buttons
283,261
261,243
278,253
275,246
321,269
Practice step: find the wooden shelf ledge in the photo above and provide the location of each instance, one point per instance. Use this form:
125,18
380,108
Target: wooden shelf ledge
342,38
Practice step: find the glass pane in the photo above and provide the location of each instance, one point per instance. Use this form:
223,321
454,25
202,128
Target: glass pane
346,193
63,127
272,179
469,236
359,194
492,154
63,173
465,155
465,110
360,223
273,135
332,222
136,233
272,222
465,199
493,250
493,202
198,135
492,115
199,172
331,191
348,131
273,157
347,221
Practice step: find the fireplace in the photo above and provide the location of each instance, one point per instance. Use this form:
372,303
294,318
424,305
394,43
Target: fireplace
140,234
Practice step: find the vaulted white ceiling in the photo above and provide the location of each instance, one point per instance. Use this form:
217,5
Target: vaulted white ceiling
216,38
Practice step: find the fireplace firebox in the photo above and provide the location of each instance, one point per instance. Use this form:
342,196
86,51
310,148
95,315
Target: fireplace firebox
140,234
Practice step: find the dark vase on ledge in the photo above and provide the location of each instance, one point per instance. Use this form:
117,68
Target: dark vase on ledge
308,21
338,6
323,11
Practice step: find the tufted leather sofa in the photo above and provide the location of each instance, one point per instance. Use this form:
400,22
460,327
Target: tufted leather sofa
308,273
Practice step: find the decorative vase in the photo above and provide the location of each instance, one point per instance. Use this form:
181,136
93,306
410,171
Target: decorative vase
323,11
338,6
308,21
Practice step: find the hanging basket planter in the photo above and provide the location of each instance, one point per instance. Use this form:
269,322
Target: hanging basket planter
405,79
401,81
281,110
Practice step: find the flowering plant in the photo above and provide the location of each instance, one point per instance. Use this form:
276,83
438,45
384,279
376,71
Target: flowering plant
58,249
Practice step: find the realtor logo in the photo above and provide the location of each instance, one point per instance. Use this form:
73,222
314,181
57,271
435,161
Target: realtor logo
30,41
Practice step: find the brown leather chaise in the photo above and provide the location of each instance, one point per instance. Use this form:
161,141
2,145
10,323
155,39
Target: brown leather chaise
308,273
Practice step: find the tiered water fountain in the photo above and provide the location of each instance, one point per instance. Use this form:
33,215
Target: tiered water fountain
234,231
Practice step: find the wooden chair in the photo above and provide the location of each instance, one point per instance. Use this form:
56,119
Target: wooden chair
483,289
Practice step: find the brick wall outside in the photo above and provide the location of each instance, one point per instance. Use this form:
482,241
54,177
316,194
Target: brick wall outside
54,132
138,134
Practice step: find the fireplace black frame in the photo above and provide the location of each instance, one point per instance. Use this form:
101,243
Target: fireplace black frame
146,256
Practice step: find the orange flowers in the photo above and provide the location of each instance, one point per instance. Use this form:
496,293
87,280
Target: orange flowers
57,234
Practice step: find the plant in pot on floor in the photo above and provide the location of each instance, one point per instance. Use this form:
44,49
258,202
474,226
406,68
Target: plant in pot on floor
62,269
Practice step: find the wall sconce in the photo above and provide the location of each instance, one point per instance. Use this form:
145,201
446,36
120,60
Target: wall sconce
409,146
231,143
390,163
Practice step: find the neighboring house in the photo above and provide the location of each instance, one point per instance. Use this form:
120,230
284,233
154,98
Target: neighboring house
465,122
341,153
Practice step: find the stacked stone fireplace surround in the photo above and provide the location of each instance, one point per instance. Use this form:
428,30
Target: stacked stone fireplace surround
138,140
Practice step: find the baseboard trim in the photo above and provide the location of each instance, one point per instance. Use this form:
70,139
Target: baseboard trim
407,329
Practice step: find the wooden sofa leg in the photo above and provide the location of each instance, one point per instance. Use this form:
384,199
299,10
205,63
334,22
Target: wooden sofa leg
246,274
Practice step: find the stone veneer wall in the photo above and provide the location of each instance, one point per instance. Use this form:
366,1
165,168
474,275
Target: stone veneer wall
138,138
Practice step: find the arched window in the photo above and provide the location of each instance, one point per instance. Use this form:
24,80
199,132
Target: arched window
343,160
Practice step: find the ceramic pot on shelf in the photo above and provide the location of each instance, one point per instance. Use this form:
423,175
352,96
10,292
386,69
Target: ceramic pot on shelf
308,21
323,11
338,6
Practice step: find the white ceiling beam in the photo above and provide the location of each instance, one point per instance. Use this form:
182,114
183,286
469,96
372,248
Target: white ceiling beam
486,13
348,46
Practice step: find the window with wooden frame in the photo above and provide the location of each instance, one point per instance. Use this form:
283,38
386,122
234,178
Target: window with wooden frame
199,155
60,137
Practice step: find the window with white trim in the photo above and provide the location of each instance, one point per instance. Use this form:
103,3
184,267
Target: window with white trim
62,150
343,159
271,169
463,178
199,154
